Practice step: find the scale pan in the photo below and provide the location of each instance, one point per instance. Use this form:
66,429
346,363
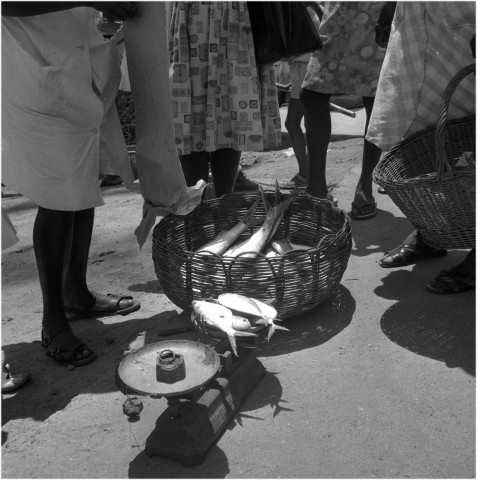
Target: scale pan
138,369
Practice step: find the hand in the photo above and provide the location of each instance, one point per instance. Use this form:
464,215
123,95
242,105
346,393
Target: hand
117,11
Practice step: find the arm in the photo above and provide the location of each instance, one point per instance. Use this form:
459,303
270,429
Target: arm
114,10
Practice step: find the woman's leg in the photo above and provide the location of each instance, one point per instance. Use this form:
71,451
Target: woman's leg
195,167
297,137
318,131
363,197
224,165
52,233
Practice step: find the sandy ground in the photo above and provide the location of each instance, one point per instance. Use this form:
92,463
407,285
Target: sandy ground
376,382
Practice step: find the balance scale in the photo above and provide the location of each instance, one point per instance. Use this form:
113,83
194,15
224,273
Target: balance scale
204,387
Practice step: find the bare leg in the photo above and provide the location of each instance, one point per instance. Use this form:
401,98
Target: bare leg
318,133
363,197
195,167
297,137
224,166
52,235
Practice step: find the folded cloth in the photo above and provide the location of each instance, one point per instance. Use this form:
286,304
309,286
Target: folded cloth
163,185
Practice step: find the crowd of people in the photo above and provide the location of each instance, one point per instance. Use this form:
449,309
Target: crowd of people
397,56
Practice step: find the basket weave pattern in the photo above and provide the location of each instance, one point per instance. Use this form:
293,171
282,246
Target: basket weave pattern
419,176
294,282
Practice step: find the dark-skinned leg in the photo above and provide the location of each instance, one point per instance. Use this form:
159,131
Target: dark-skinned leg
76,295
52,233
318,132
364,201
297,137
224,166
458,278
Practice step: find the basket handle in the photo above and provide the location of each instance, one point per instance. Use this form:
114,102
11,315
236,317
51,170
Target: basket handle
442,162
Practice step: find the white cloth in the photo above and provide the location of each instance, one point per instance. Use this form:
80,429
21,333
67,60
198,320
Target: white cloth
428,45
160,173
52,65
9,234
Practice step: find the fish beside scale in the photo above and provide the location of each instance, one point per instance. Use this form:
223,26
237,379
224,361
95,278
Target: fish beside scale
214,315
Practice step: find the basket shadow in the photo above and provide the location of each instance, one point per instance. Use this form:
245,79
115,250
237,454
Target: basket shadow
441,327
312,328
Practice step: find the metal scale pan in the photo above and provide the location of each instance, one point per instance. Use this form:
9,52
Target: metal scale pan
138,369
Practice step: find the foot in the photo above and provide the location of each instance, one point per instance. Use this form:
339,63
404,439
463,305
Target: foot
298,181
407,254
64,347
364,211
242,183
105,305
451,281
11,382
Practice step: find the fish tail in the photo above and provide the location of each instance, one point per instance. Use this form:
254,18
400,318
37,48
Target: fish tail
233,344
271,331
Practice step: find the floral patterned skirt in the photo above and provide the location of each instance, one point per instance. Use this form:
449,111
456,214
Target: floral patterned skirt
220,99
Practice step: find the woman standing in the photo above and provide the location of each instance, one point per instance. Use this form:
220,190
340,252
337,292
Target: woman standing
349,63
222,103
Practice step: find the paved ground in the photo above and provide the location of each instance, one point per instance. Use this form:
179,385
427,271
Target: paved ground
376,382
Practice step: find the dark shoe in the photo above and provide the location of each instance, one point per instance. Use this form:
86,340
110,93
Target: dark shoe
450,281
111,181
11,382
105,305
368,210
407,254
382,191
242,183
64,347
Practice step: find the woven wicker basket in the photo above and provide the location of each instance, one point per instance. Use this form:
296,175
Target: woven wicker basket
294,283
419,176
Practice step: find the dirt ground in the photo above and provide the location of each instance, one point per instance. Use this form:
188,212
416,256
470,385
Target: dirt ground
376,382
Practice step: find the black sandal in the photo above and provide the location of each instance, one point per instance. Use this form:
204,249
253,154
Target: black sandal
64,347
408,254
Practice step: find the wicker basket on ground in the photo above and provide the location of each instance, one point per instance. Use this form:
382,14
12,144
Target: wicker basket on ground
419,175
293,283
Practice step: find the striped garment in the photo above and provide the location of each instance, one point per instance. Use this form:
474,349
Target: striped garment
429,44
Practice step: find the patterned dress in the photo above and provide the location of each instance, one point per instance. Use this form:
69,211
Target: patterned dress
350,60
220,99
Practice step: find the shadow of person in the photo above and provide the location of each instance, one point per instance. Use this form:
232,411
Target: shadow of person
378,234
53,385
215,465
312,328
441,327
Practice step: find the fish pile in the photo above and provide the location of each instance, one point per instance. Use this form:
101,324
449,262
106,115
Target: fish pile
236,316
227,243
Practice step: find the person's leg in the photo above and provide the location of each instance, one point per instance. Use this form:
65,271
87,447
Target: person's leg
318,132
52,232
364,204
412,249
195,167
297,137
457,279
224,165
77,298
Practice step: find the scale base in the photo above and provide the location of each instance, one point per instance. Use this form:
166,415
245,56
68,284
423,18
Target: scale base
188,428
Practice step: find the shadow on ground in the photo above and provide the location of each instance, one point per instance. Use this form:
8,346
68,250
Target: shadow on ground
415,321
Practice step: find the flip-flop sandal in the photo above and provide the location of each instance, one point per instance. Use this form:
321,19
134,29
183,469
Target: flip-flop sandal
408,254
64,347
446,282
112,307
356,212
14,382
